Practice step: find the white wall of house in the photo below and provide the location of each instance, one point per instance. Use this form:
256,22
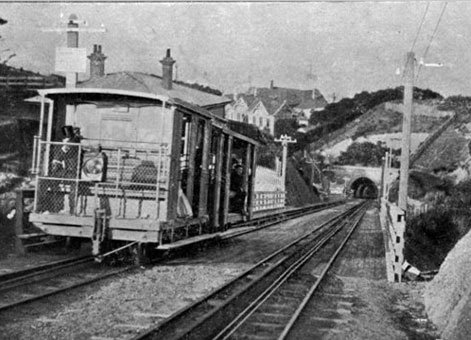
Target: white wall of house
261,118
236,110
257,115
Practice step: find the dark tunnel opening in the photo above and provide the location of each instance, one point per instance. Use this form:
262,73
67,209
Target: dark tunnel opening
364,188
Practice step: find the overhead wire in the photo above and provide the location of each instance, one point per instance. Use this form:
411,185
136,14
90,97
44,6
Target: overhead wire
420,27
431,39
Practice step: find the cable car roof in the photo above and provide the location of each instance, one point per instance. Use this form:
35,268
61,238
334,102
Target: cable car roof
218,121
149,83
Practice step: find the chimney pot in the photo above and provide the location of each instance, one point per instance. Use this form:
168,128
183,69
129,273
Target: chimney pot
167,71
97,62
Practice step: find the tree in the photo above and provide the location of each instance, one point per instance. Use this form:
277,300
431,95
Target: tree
4,60
338,114
286,126
366,154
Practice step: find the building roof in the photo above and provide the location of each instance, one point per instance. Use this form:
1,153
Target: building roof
272,105
303,99
248,98
248,130
148,83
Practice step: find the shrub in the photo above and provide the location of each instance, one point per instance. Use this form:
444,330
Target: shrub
366,154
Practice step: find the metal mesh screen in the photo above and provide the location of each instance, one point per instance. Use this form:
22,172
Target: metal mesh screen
58,171
77,179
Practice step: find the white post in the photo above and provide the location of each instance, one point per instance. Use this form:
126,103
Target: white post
284,139
41,118
406,130
385,175
48,136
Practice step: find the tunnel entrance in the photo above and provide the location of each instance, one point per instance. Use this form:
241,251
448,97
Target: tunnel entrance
364,188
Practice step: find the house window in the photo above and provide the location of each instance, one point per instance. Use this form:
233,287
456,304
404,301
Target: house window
261,122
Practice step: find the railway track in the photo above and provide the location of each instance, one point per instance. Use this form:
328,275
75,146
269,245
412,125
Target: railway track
25,286
265,301
13,277
32,284
241,228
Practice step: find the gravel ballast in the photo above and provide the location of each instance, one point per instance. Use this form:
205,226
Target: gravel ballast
120,307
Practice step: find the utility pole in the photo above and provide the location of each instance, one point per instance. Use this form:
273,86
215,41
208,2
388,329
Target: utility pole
72,59
72,42
406,129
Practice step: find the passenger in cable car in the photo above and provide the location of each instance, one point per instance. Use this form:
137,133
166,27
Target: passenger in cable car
237,192
65,165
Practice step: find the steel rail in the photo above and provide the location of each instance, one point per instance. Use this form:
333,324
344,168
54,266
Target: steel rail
208,306
19,275
244,315
323,274
278,217
34,275
8,279
231,328
57,290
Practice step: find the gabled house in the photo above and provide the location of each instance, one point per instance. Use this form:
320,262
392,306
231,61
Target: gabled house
259,115
249,109
238,108
301,103
262,107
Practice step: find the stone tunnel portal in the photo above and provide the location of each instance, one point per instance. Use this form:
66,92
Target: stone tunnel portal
364,188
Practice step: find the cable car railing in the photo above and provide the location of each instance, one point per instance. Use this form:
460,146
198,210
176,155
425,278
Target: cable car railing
77,178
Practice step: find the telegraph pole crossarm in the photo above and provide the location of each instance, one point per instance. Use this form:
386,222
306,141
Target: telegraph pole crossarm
72,55
284,140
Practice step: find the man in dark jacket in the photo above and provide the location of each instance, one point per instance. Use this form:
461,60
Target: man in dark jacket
65,165
237,194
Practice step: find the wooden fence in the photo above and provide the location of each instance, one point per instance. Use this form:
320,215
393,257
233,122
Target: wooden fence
394,224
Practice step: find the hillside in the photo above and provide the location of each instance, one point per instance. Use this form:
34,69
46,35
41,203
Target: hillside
338,114
384,123
449,154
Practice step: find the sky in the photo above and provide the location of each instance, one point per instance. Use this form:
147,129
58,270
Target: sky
336,47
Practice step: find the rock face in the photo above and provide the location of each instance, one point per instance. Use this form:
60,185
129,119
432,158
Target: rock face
448,296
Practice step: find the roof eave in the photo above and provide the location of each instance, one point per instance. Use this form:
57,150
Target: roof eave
75,90
222,103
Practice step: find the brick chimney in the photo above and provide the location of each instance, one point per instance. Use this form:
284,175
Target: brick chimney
272,84
97,62
167,71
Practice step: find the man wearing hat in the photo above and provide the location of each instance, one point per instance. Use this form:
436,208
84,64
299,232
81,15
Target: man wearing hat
64,165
